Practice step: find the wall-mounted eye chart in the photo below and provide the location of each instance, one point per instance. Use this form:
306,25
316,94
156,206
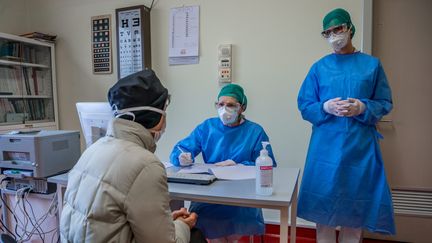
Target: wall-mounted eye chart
133,39
101,44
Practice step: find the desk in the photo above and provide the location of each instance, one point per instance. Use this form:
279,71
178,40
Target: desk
237,193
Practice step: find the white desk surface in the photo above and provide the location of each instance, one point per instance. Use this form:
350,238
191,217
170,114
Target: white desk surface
59,179
240,191
223,191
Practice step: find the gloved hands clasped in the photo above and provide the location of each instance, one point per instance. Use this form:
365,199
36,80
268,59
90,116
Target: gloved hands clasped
344,108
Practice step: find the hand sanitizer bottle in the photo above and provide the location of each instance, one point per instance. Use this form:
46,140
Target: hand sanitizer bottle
264,172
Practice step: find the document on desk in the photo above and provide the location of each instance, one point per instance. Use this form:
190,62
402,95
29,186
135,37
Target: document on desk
167,164
236,172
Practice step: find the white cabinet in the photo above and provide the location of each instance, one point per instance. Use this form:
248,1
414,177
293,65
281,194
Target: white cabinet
28,98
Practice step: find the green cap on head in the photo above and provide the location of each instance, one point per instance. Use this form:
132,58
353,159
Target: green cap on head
337,17
235,91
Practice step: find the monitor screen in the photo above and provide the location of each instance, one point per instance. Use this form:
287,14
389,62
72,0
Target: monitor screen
94,118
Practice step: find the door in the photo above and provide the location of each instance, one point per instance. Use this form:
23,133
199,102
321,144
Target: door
402,39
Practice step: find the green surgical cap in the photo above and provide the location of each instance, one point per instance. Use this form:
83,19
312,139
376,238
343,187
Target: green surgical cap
337,17
235,91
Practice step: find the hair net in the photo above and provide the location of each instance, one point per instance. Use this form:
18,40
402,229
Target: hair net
235,91
337,17
140,89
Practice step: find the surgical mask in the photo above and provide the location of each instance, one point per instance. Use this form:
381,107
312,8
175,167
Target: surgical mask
228,115
157,134
129,112
338,41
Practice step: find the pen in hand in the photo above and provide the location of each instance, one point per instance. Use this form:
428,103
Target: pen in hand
185,158
181,150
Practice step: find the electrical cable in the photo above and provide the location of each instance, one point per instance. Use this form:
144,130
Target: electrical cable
151,6
14,216
22,195
31,222
34,216
40,221
6,228
22,225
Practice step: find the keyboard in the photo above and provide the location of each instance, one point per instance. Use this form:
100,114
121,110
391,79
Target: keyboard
200,179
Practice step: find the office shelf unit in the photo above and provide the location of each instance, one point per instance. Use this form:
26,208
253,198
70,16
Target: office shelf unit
28,98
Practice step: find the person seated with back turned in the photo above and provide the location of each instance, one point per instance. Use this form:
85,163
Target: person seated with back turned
118,191
225,141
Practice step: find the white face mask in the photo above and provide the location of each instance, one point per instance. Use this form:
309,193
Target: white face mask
128,111
158,134
228,115
338,41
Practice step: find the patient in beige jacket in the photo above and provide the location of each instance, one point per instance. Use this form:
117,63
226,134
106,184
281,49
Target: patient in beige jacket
118,191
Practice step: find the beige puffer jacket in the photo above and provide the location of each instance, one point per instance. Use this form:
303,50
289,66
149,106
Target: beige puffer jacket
117,192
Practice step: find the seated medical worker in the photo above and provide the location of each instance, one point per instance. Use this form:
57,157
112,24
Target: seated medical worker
118,191
225,140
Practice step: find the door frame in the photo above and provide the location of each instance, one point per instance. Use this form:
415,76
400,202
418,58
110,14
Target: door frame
366,42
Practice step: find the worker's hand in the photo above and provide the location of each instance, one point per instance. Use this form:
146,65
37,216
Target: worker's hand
190,220
334,106
353,107
228,162
185,159
180,213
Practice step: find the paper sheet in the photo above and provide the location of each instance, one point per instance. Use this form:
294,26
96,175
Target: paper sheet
237,172
167,164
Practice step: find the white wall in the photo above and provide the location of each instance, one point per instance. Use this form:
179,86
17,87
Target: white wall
13,18
274,44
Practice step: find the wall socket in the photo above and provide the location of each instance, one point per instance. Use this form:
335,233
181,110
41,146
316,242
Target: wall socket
224,63
224,75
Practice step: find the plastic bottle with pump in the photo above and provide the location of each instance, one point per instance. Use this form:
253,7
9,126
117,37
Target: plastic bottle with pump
264,172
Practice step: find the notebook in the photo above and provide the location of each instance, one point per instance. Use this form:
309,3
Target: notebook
200,179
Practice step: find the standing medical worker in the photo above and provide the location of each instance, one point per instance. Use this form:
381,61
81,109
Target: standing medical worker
118,191
225,140
344,95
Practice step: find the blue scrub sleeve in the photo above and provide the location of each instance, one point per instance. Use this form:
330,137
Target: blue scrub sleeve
380,104
309,103
258,147
191,144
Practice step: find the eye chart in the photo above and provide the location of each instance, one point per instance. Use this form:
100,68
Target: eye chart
133,32
101,44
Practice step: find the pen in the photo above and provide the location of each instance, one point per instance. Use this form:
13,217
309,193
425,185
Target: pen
180,149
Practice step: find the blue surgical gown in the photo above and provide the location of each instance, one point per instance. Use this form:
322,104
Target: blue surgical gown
218,142
344,182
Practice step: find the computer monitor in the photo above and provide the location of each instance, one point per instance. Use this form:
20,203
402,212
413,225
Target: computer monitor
94,118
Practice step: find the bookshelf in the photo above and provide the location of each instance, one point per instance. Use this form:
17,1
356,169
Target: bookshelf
28,98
